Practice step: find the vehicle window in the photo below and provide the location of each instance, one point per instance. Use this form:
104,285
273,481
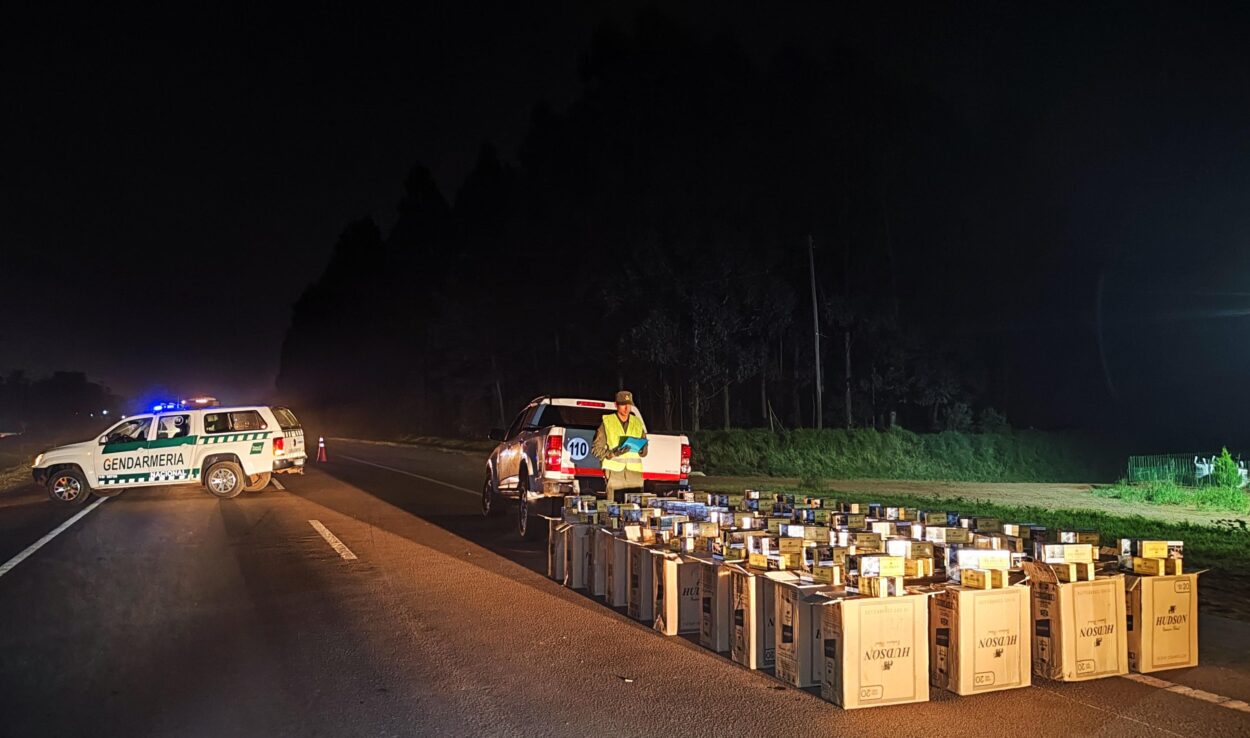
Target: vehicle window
173,426
243,420
515,428
286,418
583,418
135,429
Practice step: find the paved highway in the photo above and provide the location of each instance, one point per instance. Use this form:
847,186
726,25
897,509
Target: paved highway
399,611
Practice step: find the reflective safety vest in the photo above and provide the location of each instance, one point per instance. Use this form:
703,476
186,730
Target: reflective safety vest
613,432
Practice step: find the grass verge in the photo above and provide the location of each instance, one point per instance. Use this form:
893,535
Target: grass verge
1225,499
1022,456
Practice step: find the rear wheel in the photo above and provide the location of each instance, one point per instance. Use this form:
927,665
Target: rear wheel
262,481
68,487
224,479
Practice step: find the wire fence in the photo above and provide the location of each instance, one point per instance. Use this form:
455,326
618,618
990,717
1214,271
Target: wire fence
1186,470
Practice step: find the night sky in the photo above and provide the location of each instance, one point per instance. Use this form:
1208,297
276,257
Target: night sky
167,176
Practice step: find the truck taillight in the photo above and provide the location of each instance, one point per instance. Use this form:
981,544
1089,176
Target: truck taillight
685,459
279,446
555,452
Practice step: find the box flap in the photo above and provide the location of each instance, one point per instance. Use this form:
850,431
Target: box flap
1039,572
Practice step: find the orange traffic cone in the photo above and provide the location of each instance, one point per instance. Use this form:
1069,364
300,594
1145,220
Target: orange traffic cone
321,450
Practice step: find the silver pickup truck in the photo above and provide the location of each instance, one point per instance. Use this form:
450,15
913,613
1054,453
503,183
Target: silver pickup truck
545,455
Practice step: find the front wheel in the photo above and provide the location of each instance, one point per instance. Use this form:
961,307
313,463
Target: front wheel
490,500
224,480
68,487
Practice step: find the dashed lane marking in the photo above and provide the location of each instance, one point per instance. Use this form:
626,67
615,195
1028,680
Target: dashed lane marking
1197,694
278,484
8,565
456,487
333,540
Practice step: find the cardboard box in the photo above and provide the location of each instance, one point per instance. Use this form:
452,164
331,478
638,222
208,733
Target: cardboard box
876,651
1162,622
601,552
555,549
676,596
641,583
752,610
616,572
979,640
577,555
799,659
714,620
1079,628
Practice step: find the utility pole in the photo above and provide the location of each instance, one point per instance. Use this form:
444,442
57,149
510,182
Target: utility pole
811,263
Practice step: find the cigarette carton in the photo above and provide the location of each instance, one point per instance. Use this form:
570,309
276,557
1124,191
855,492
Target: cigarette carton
752,610
1156,567
827,574
714,621
1074,572
1017,530
909,549
918,568
883,528
984,578
1066,553
933,517
878,586
880,565
799,659
989,525
1162,622
947,534
1079,628
1079,536
641,583
979,640
896,513
875,651
677,596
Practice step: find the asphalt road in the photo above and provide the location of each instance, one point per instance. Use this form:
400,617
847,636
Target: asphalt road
167,612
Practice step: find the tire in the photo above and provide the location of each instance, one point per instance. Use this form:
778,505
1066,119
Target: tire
68,487
490,500
224,480
524,525
262,481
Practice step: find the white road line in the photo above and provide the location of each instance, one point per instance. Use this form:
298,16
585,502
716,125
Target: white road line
1197,694
333,540
278,484
8,565
466,490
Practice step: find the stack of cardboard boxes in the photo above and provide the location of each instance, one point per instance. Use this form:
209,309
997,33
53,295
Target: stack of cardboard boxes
873,603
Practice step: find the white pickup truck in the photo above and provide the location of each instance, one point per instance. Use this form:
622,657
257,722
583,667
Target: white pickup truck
545,455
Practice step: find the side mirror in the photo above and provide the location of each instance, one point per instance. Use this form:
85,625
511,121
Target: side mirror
104,440
496,434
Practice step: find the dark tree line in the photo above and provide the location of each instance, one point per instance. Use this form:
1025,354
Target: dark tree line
654,235
60,401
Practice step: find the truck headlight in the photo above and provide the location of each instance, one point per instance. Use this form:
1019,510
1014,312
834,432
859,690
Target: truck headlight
38,461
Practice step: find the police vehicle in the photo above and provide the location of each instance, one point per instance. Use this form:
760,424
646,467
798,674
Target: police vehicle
227,449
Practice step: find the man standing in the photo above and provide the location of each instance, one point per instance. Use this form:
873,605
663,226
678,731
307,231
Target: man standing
622,468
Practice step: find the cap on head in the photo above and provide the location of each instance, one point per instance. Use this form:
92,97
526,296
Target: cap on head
624,397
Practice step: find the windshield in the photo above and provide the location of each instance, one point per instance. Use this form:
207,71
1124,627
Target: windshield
135,429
